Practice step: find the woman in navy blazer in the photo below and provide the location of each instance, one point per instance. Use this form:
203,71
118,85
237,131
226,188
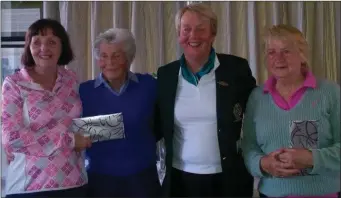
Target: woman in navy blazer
201,100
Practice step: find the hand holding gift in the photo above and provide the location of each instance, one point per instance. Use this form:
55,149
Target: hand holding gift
82,142
101,128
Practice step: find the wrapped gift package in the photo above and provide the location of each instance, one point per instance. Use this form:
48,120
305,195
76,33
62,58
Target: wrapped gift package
100,128
161,159
304,134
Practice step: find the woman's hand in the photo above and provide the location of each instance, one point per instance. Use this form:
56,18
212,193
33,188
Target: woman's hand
82,142
273,166
297,158
9,159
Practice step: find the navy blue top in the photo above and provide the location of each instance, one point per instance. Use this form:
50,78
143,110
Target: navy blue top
138,150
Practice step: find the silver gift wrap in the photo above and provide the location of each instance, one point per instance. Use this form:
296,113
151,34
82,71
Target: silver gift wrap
100,128
161,159
304,134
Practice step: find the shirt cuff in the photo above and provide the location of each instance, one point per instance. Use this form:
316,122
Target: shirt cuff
316,159
258,169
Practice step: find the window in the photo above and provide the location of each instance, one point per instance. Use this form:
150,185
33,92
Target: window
16,17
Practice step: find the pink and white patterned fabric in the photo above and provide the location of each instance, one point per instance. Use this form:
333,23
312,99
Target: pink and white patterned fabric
36,134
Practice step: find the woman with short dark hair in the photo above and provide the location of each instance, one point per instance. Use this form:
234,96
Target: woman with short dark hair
41,27
38,105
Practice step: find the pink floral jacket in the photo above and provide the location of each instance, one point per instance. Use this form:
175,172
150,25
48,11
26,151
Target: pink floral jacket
36,134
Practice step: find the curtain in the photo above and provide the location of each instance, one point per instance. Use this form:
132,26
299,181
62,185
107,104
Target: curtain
241,26
51,10
150,23
240,29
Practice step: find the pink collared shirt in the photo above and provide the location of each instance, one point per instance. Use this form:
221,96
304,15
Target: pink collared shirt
269,87
36,133
309,82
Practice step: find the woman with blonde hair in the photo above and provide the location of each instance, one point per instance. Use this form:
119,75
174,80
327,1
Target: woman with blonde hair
201,99
292,123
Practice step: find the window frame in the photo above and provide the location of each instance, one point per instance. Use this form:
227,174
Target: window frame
19,36
17,39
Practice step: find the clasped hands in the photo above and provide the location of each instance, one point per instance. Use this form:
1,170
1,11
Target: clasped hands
286,162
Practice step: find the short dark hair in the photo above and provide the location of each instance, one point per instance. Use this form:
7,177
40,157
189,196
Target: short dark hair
40,27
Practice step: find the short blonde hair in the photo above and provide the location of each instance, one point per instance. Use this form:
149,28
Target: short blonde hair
291,34
201,9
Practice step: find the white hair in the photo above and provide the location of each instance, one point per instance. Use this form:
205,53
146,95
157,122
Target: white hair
117,35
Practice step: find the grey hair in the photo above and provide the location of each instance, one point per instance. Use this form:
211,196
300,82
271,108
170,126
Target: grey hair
117,35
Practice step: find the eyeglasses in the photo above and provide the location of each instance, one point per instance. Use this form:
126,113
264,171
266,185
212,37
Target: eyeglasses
116,56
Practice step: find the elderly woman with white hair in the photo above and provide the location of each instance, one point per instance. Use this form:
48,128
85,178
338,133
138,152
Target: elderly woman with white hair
292,123
123,167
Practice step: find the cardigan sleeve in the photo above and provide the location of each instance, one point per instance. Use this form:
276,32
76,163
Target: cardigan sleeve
252,153
328,159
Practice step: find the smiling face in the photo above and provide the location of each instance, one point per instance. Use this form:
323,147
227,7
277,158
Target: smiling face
195,35
283,58
46,49
113,61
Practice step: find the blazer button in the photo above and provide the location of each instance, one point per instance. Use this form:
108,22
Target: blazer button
224,158
219,130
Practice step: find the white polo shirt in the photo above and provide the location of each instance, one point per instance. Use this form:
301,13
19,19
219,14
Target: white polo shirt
195,140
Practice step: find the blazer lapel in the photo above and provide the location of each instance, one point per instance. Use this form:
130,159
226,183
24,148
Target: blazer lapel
224,92
225,97
172,84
